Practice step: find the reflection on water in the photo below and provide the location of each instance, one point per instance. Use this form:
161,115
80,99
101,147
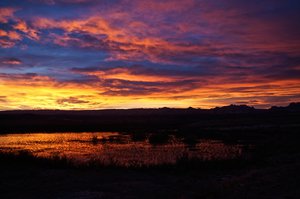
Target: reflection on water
122,149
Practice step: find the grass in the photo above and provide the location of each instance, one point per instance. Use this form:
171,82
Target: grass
26,159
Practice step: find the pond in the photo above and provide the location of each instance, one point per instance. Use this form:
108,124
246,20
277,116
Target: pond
118,148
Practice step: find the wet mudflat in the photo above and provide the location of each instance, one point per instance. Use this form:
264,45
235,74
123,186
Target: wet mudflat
118,148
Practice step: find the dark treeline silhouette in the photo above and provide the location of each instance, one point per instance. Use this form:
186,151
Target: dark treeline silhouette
189,119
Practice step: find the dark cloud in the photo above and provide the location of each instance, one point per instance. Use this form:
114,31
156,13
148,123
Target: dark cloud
10,62
71,100
3,99
126,88
18,76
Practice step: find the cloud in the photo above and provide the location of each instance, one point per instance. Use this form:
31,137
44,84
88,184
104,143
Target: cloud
71,100
6,43
138,80
29,32
99,33
26,79
11,36
132,73
6,13
3,99
63,2
11,61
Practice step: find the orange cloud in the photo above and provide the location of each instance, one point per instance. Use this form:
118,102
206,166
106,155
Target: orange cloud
12,61
125,74
122,43
9,38
4,43
6,14
3,33
29,32
13,35
42,92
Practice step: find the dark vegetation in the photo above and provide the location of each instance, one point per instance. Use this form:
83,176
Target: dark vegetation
184,163
232,118
270,169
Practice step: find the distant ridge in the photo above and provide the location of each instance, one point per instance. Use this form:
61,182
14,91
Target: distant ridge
294,106
235,109
144,119
230,109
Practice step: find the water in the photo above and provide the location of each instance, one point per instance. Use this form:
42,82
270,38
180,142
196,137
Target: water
118,148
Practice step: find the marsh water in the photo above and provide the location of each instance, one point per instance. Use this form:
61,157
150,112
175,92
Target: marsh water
118,148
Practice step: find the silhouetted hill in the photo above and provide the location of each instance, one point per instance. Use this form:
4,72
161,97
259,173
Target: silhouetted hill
234,109
295,106
190,119
292,107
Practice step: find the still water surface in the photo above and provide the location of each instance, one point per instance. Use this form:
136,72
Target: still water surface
117,148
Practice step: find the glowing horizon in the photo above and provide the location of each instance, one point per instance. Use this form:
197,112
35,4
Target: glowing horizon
89,54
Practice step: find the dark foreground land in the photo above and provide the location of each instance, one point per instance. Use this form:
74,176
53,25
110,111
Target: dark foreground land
270,170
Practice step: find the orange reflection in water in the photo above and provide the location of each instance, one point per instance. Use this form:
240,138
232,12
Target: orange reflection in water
113,147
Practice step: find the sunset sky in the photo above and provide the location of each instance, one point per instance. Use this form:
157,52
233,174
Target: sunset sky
98,54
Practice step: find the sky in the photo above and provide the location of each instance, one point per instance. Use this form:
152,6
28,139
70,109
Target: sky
103,54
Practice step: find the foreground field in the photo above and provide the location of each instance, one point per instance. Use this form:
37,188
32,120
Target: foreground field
269,170
275,178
